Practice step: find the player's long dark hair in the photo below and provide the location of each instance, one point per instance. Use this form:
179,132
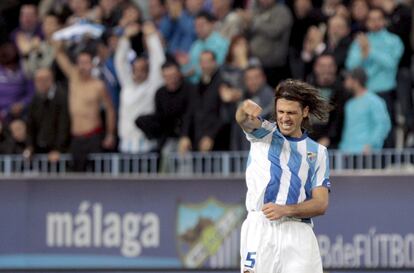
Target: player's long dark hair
306,95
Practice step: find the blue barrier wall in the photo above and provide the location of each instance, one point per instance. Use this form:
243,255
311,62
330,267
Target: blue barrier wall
190,223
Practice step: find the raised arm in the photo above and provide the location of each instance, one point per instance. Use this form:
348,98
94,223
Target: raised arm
155,51
247,116
122,65
67,67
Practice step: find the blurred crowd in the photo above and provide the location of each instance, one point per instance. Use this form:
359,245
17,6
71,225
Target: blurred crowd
139,76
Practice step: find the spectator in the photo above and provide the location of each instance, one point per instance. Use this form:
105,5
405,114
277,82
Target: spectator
338,39
379,53
51,6
258,90
313,46
48,118
80,11
359,15
337,43
87,95
194,7
325,78
29,27
208,39
400,20
14,141
42,54
262,94
229,24
108,12
237,60
171,102
131,15
138,87
157,11
367,122
16,90
105,66
304,16
202,125
232,87
269,29
330,7
177,28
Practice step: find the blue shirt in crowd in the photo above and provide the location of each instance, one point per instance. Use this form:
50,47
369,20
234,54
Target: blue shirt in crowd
215,43
179,33
367,122
381,65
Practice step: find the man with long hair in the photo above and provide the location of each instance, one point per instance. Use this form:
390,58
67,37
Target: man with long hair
288,182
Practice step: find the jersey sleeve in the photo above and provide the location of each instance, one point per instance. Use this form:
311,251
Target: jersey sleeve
258,134
321,175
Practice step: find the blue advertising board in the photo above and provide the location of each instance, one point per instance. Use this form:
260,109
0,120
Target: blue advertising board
191,223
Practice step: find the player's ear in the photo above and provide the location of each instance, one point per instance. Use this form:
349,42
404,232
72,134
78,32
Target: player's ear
305,113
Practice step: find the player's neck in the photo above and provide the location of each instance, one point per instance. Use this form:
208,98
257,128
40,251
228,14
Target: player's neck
297,134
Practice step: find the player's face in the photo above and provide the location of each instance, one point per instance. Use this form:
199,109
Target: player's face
289,117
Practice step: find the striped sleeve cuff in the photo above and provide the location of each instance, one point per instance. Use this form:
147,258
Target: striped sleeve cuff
266,128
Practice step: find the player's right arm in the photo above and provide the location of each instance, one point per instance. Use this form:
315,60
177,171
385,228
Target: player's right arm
247,116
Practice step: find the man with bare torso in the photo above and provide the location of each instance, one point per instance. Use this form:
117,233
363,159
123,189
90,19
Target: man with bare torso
87,95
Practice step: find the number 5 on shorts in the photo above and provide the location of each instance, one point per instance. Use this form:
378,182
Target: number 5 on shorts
250,259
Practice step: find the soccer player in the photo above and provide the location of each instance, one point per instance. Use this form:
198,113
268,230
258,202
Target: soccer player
288,182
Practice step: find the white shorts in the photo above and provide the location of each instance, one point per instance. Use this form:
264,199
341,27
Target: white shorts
282,246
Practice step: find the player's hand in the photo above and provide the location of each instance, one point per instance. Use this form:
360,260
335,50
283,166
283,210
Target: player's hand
273,211
247,115
248,109
184,145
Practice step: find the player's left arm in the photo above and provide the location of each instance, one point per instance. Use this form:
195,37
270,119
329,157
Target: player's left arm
315,206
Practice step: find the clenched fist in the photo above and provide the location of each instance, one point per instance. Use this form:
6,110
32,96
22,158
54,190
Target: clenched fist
247,115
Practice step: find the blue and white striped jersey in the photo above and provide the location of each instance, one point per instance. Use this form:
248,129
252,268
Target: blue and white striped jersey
283,170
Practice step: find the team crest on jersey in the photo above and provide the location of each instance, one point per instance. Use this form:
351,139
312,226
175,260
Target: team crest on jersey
312,156
204,229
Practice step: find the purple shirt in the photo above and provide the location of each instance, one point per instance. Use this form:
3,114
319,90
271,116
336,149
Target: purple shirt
14,87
